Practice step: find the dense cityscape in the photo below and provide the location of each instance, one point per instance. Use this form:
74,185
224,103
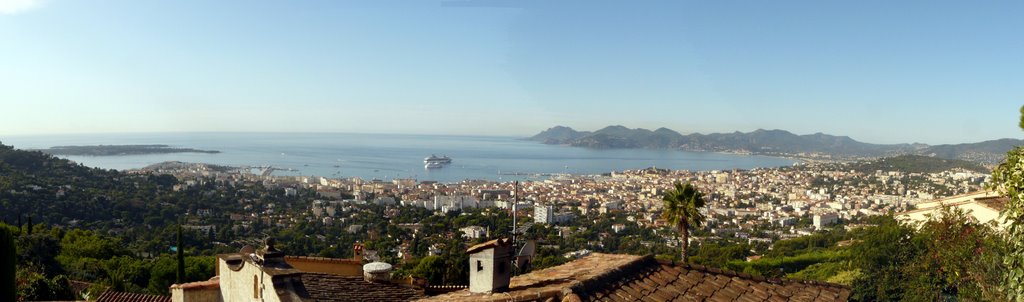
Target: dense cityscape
760,205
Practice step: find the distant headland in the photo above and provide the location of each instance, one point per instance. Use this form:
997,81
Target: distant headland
117,150
770,142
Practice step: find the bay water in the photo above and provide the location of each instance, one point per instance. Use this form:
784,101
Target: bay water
390,156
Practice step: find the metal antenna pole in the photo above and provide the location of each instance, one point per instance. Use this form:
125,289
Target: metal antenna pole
515,253
515,203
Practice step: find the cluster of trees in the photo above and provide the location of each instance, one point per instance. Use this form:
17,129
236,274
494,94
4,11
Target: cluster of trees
1008,179
915,164
47,258
116,229
950,256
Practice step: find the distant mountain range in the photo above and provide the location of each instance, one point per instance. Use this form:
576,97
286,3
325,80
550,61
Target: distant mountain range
769,142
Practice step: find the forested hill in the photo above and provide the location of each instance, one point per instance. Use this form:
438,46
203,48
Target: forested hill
916,164
769,142
114,150
56,191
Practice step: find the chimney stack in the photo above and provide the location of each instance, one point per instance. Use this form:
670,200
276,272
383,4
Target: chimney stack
270,256
357,252
490,266
377,272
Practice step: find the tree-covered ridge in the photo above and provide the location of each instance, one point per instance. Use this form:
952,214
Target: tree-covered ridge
770,142
57,191
916,164
114,150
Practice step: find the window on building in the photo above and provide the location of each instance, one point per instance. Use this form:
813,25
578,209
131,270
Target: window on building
255,287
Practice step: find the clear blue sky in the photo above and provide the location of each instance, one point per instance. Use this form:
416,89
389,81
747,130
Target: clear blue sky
882,72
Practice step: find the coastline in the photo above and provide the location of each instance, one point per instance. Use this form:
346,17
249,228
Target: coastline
390,157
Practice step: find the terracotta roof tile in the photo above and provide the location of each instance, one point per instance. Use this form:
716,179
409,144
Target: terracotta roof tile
321,259
492,243
607,277
112,296
330,287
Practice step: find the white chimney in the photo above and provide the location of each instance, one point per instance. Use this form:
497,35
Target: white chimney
490,266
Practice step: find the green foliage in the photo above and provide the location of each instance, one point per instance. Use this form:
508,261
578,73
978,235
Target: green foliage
34,286
82,253
846,277
40,251
163,272
805,244
821,271
682,210
80,243
961,259
915,164
8,264
716,255
883,251
951,257
1008,180
430,268
180,251
778,267
127,274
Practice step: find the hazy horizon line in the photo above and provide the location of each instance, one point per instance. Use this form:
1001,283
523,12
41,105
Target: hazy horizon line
518,136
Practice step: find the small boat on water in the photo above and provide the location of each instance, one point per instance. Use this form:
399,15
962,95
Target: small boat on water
433,165
435,159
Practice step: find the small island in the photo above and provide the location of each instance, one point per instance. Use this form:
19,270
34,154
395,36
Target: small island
115,150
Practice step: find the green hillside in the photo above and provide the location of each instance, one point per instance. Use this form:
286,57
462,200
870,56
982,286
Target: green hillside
916,164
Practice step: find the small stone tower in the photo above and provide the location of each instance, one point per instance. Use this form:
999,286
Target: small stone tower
490,266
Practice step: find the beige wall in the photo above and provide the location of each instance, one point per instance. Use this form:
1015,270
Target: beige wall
238,285
965,202
196,295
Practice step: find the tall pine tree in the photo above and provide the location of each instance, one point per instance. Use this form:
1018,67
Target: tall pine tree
8,263
181,258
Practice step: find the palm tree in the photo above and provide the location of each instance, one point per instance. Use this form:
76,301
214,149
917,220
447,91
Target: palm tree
682,210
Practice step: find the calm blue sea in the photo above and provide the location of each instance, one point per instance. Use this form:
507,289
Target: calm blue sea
376,156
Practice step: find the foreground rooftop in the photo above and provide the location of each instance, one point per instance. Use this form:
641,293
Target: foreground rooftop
609,277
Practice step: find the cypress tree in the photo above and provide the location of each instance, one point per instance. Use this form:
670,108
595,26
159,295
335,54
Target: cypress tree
181,258
1021,117
8,264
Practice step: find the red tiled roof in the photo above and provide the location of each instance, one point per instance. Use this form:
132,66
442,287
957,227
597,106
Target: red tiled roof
112,296
997,203
485,245
321,259
609,277
330,288
657,281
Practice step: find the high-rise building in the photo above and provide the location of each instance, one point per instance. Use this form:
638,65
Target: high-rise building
544,214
